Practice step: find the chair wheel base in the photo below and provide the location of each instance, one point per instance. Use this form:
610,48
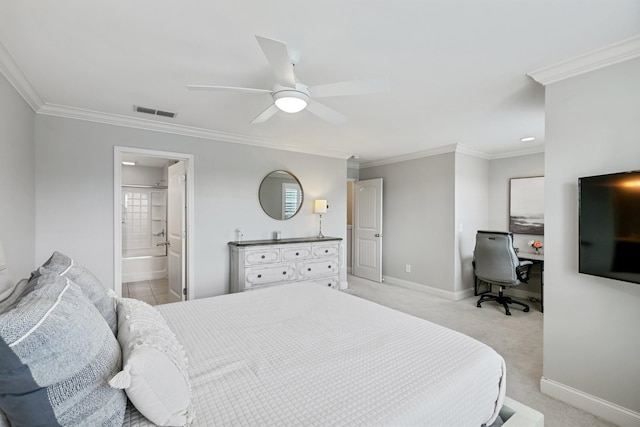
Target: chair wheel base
501,299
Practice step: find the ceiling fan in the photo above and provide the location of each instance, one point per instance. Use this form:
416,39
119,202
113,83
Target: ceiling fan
291,96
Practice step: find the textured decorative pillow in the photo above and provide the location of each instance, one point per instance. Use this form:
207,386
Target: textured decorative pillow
90,285
154,373
56,356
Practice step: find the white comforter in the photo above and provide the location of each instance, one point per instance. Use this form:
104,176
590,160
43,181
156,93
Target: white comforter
304,354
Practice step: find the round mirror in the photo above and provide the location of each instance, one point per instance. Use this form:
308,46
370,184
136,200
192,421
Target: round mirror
280,195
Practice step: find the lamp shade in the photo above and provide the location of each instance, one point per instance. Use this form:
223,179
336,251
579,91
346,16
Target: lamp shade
320,206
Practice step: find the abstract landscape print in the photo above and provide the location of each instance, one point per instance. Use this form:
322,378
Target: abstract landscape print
526,205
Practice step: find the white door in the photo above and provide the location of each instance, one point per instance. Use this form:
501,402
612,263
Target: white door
367,230
176,231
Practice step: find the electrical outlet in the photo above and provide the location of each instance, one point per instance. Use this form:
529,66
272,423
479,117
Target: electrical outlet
407,268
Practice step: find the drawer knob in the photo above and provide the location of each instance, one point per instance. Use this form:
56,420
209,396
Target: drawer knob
329,284
309,269
263,257
284,272
297,253
259,276
326,251
328,266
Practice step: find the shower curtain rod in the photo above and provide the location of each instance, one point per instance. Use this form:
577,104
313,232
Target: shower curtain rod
158,187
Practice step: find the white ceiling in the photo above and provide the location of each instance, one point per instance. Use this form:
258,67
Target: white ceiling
457,68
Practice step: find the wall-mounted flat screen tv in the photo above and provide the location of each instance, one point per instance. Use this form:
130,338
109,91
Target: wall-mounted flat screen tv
609,226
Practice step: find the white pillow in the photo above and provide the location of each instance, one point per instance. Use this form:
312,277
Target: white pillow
6,282
154,373
4,422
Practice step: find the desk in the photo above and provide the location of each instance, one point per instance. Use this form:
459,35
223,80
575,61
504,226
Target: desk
536,259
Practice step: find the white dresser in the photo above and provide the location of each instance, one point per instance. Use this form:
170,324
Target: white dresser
255,264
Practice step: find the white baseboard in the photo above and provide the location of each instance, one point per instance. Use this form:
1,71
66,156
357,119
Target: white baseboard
601,408
452,296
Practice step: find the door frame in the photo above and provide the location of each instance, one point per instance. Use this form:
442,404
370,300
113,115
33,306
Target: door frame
118,152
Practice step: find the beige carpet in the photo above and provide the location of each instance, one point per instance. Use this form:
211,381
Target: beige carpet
518,338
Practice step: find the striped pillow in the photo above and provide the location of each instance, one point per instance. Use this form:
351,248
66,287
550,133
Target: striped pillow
56,355
90,285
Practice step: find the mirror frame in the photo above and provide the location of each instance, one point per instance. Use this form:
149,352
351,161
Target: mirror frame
299,185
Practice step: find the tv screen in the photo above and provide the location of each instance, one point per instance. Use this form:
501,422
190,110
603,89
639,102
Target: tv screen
609,222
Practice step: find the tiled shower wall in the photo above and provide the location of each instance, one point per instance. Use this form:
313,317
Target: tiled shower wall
143,221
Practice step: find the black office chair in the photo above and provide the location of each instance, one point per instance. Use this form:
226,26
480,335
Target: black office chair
495,262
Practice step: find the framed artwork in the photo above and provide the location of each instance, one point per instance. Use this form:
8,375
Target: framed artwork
526,205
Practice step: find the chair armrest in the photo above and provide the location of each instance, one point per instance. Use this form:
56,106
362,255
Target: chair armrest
523,271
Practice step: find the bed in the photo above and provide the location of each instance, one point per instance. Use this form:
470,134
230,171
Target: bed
304,354
294,354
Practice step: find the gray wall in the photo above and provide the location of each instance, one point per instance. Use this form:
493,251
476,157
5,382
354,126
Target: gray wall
591,324
472,213
500,173
74,194
144,175
17,181
418,219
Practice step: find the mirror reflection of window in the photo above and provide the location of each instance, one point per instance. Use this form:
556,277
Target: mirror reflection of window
280,195
291,199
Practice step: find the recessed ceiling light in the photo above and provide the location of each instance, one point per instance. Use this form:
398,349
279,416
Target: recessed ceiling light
129,163
528,138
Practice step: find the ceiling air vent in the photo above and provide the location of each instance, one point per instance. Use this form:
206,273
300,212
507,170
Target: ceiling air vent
153,111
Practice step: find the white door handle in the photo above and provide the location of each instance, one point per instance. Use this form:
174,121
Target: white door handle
377,235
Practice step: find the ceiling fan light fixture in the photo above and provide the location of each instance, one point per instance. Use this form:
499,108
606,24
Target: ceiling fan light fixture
291,101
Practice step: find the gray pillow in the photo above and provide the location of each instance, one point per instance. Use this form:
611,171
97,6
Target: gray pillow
56,355
90,285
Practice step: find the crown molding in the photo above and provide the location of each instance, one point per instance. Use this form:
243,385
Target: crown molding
9,68
517,153
353,164
411,156
460,148
609,55
157,126
453,148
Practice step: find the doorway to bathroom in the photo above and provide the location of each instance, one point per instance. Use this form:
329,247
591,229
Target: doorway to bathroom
153,195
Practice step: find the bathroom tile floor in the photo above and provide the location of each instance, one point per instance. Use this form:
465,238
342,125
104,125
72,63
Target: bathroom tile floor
153,292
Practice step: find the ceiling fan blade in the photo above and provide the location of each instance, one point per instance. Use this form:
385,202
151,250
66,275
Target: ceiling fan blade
355,87
325,113
229,88
266,114
278,57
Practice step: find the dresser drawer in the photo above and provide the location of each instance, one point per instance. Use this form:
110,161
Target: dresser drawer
325,251
255,276
331,281
296,253
262,256
320,268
